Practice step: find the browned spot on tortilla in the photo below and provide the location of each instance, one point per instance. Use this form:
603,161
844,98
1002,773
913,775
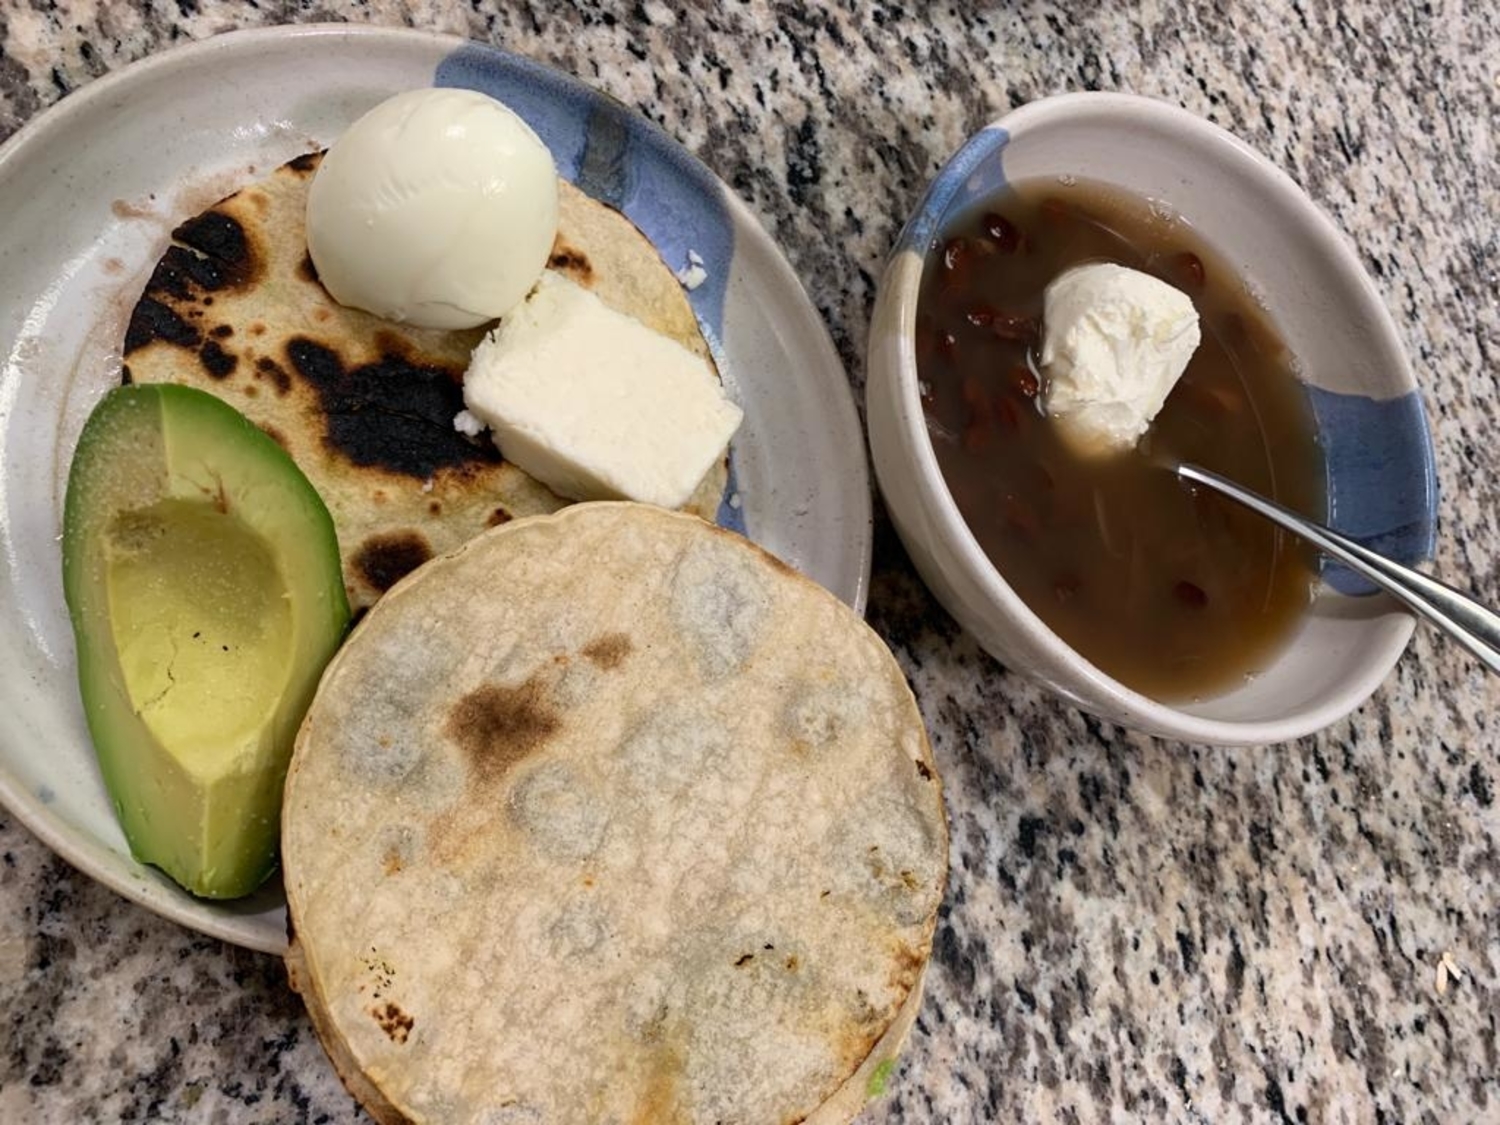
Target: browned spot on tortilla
378,496
250,390
392,345
221,331
274,434
123,209
114,266
852,1044
320,314
152,320
393,1021
923,769
392,414
224,258
307,271
260,201
383,560
908,966
497,726
392,861
257,328
306,164
609,650
744,959
497,517
793,964
571,261
216,361
212,252
273,371
777,563
660,1099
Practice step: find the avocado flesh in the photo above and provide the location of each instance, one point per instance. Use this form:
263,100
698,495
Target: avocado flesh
203,579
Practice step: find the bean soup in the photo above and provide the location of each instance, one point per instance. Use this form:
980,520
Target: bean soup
1172,590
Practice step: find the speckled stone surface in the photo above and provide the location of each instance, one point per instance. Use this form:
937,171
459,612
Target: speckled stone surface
1134,930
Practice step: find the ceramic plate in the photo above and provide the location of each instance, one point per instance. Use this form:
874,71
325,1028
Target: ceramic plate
91,191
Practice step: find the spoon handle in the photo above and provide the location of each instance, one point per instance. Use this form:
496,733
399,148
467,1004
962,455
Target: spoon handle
1462,618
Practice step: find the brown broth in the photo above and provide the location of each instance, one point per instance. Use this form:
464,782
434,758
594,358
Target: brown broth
1173,591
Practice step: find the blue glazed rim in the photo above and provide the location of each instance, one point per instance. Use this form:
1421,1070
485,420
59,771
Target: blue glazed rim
1380,472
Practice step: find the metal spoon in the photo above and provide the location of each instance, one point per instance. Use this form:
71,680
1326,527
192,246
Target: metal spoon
1462,618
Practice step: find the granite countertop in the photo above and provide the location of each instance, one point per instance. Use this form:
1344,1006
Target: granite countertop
1133,930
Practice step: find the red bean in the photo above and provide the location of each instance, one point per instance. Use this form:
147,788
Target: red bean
1210,399
1187,267
1002,232
1190,594
1054,210
1025,380
1007,326
1019,516
1008,412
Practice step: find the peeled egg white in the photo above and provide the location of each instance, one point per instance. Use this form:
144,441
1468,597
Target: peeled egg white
437,208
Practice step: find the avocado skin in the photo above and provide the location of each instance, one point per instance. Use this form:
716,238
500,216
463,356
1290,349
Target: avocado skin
193,753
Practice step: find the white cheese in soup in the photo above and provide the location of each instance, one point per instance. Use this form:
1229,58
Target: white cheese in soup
1115,341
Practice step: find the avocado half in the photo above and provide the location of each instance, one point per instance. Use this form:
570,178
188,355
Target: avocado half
202,574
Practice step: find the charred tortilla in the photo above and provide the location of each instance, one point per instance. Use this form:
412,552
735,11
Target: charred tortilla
610,816
364,406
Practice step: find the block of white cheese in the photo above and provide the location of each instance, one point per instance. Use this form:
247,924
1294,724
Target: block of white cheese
1114,343
594,404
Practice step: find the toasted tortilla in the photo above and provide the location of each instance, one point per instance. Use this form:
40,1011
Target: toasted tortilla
611,816
365,406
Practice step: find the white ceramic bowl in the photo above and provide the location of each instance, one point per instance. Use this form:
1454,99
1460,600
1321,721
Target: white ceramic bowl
1368,413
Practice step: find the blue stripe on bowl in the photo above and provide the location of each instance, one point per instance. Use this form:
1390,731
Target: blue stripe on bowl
1381,480
975,171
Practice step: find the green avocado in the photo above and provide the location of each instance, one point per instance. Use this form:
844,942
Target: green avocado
202,575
